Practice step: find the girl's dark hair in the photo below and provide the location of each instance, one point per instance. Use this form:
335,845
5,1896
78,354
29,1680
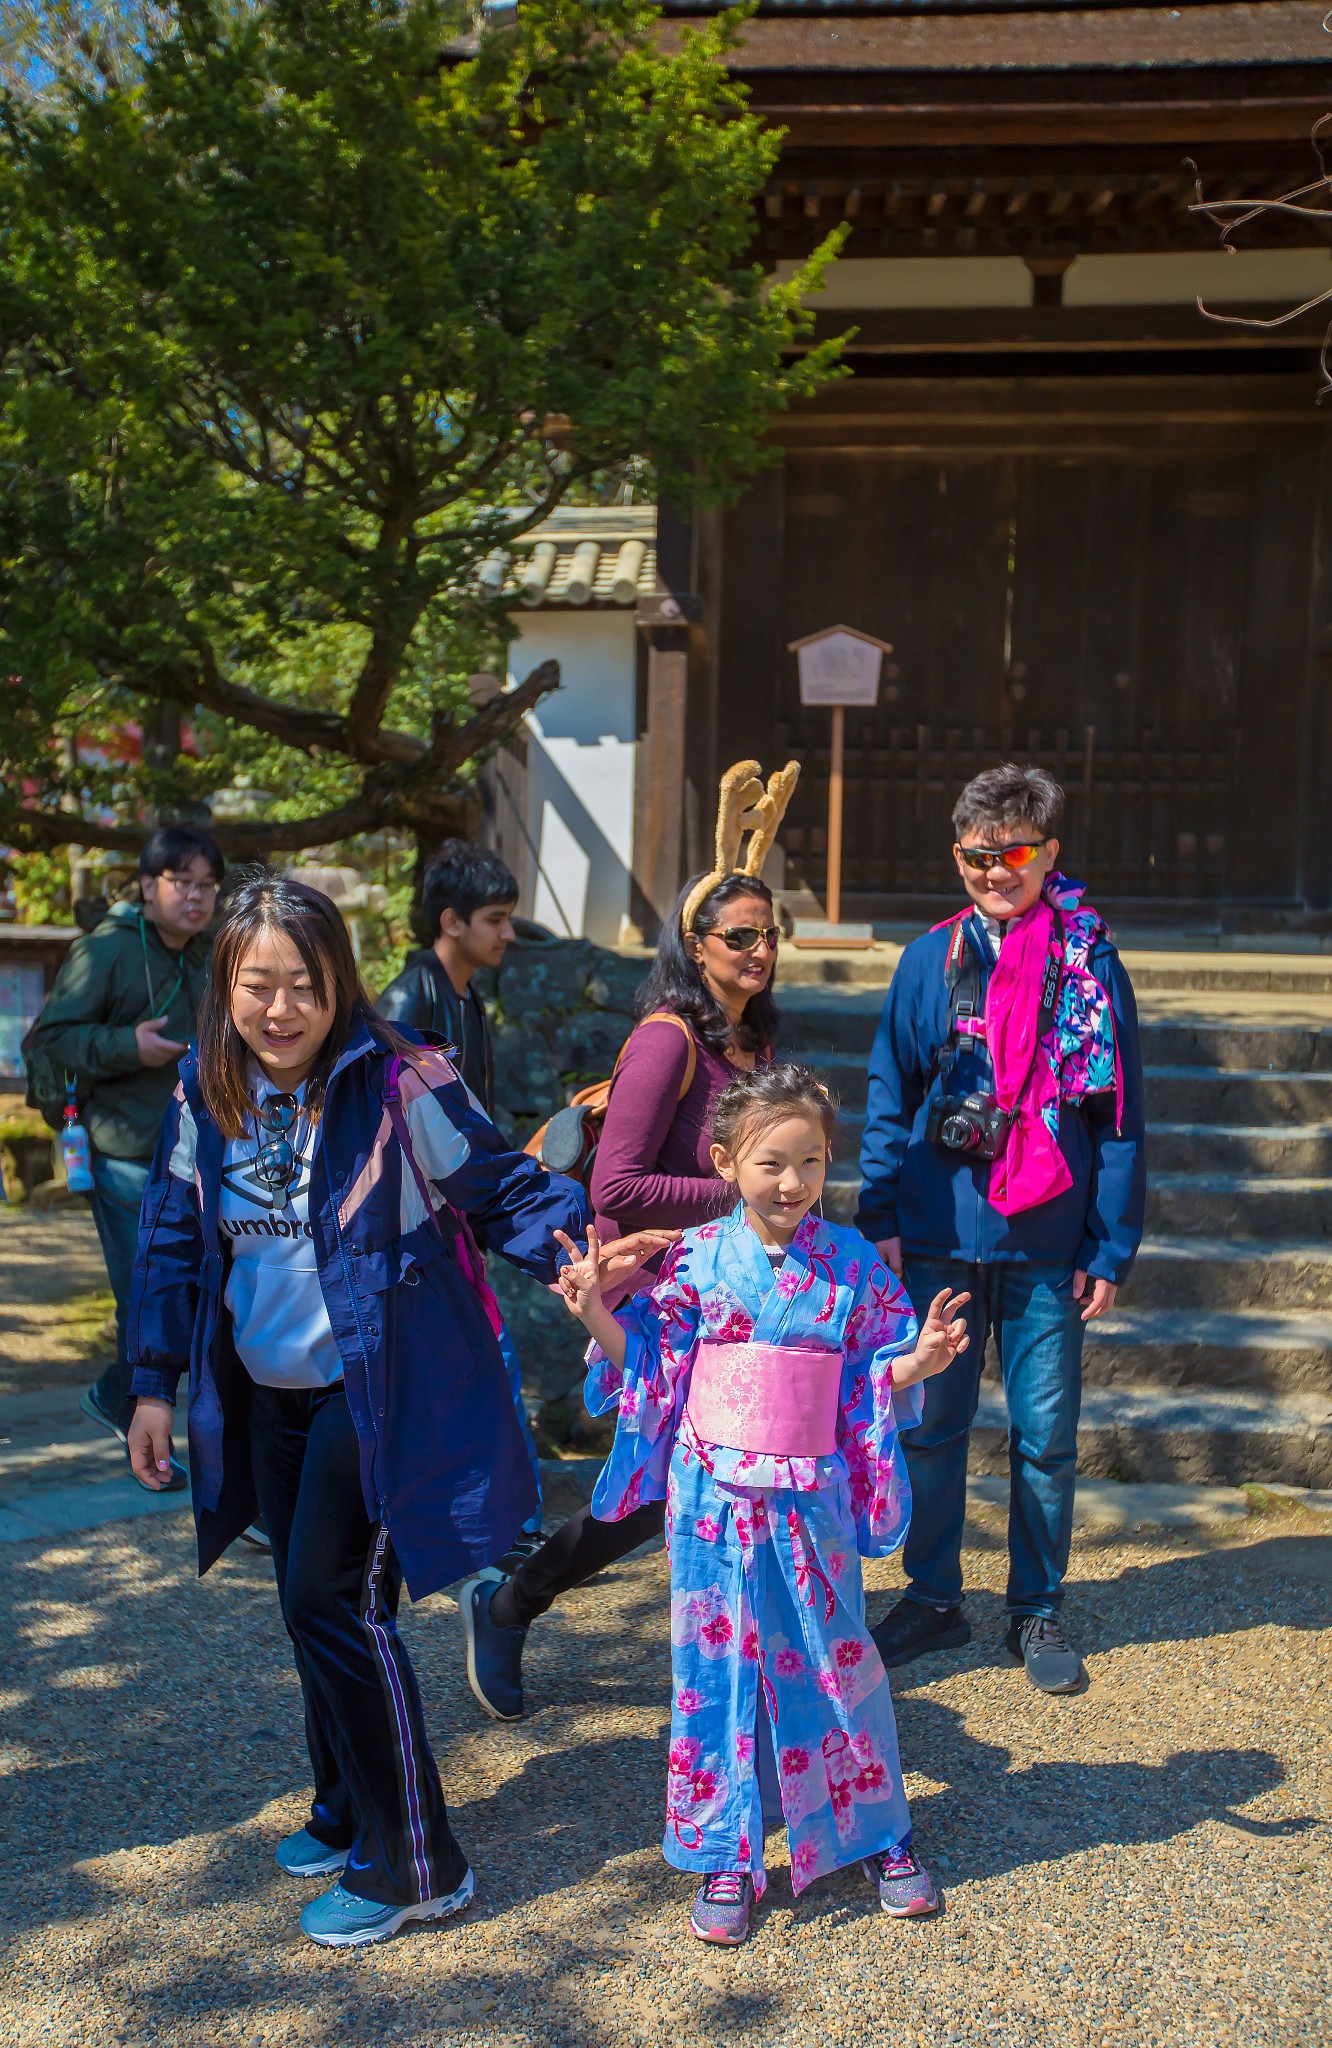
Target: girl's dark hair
259,900
676,982
747,1105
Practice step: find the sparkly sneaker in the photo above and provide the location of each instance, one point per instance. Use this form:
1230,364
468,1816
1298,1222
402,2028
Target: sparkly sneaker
304,1855
722,1907
339,1919
904,1885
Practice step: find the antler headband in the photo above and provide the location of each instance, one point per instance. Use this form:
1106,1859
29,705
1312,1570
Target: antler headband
743,805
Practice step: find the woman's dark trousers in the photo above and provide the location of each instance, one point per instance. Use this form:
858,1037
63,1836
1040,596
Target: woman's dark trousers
576,1552
377,1792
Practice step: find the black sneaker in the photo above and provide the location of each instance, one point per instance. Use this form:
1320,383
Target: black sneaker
523,1546
1037,1641
910,1630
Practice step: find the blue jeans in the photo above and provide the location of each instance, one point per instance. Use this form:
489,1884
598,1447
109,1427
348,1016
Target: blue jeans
1038,1331
515,1372
117,1197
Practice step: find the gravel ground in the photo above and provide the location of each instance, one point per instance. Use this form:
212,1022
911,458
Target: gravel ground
56,1311
1151,1861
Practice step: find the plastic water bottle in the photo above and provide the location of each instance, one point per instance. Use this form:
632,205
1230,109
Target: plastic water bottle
74,1148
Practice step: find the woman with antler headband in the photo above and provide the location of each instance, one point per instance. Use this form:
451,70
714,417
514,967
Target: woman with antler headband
707,1013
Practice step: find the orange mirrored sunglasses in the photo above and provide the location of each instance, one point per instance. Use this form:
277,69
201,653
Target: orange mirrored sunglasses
1020,855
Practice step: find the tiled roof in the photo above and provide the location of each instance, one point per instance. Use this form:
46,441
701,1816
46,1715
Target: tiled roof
936,6
581,555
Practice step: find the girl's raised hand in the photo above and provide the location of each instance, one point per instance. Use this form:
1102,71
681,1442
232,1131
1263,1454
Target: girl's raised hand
624,1255
942,1335
578,1282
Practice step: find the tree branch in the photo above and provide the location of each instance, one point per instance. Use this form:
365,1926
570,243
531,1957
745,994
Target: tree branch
250,839
454,744
292,723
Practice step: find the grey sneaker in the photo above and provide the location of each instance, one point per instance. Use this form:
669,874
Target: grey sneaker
722,1907
304,1855
339,1919
904,1885
1037,1641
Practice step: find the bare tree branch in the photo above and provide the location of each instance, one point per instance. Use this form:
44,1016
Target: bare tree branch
1246,210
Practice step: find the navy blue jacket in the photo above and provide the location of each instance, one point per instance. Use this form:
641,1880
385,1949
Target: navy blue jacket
443,1464
935,1201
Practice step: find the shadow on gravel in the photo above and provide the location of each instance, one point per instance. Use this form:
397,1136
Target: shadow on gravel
1283,1582
992,1819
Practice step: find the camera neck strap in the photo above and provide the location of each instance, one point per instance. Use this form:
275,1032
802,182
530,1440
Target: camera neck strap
966,997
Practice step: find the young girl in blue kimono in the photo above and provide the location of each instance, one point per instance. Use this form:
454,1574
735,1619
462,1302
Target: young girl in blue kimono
760,1385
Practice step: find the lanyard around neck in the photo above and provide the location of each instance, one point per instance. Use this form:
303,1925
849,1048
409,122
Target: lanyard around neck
154,1008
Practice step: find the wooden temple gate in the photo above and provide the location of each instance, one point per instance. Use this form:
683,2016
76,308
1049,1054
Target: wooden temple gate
1098,535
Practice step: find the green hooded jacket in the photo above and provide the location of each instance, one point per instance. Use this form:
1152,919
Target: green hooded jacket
114,978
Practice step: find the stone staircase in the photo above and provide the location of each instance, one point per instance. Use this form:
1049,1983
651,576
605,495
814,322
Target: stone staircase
1216,1366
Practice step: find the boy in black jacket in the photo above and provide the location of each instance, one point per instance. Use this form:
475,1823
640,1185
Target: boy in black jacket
465,921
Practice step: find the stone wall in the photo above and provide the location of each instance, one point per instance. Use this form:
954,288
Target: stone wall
560,1010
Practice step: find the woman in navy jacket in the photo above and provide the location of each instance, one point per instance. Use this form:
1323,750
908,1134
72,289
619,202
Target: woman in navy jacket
303,1254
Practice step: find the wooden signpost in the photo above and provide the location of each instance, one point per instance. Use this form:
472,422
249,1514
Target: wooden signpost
838,667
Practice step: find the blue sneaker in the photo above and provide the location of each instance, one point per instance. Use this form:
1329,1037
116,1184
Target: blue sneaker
494,1654
304,1855
339,1919
96,1410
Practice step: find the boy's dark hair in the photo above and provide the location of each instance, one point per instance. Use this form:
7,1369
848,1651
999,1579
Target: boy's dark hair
464,879
747,1105
1010,795
172,847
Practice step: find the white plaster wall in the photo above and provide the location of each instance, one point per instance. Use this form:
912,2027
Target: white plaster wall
1174,278
1178,278
581,768
920,281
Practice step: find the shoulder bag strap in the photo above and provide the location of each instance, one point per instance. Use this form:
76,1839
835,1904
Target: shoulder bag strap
691,1057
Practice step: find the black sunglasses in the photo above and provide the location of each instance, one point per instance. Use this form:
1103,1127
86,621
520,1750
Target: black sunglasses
276,1164
742,938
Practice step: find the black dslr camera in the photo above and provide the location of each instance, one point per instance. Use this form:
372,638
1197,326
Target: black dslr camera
973,1124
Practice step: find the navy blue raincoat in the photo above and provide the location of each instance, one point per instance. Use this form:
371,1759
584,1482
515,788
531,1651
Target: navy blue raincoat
443,1464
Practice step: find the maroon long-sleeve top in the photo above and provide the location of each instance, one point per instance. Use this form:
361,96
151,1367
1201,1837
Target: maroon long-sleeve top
652,1168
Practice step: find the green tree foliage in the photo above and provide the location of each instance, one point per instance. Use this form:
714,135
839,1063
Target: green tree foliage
308,307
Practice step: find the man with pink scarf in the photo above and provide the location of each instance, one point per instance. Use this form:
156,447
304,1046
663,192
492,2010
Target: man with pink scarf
1003,1154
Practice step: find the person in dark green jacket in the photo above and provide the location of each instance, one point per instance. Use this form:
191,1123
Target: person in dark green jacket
123,1009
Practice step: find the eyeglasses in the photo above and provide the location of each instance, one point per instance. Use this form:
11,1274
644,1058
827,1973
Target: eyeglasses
183,886
742,938
1021,855
277,1163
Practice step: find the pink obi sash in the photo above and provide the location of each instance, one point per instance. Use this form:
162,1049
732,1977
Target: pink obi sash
770,1398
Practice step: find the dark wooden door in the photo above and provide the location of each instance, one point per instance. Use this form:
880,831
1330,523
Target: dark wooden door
1138,625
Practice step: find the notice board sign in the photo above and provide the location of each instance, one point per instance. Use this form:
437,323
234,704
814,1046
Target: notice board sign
840,667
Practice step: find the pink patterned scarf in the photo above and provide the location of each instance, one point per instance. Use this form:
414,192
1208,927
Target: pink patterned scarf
1076,1058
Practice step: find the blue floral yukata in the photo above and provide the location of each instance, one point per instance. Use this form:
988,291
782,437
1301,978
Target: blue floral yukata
767,1604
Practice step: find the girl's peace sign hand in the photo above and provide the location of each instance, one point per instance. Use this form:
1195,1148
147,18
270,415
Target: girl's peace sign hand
942,1335
578,1281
